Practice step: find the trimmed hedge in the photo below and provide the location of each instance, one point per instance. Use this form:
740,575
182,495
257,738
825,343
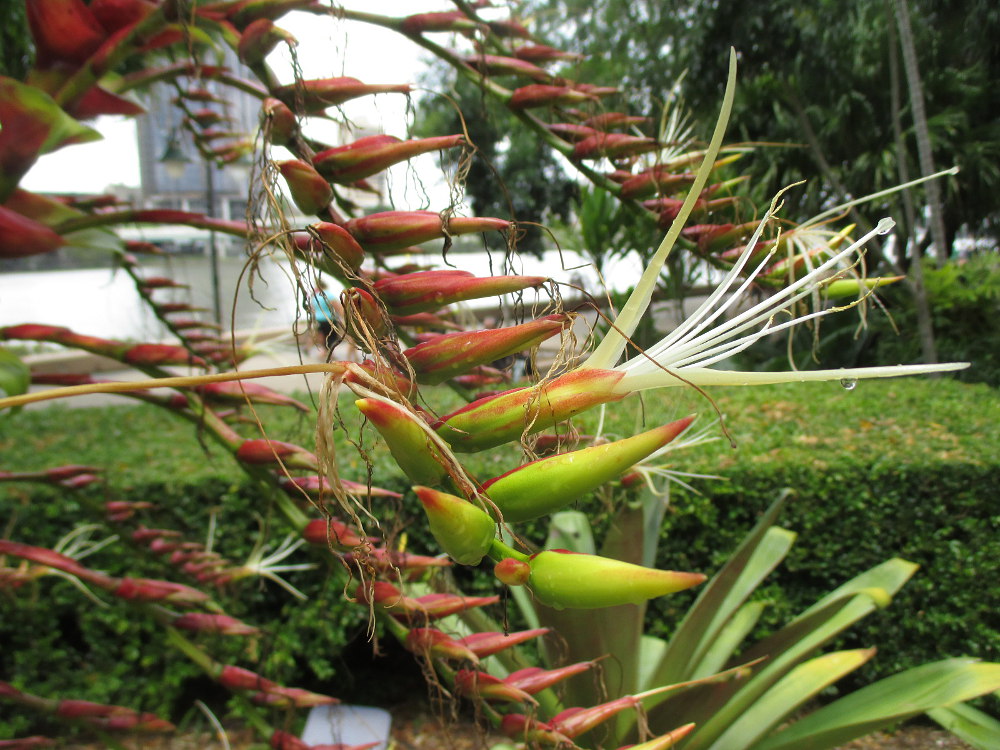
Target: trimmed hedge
901,468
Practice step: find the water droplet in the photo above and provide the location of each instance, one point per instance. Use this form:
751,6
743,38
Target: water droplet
849,384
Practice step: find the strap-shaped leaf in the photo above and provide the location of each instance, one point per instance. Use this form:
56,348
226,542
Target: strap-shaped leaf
727,591
797,687
724,645
969,724
888,701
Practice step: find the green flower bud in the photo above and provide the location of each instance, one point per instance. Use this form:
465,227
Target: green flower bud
463,530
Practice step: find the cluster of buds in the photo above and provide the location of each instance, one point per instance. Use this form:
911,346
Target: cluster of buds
99,715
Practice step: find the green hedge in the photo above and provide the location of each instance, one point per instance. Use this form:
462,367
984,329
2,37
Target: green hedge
908,468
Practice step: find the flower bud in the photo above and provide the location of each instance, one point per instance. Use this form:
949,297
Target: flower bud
463,530
21,236
854,287
158,355
544,95
319,94
664,741
391,230
327,531
498,419
533,680
450,20
614,146
339,241
148,590
273,452
63,31
452,354
407,438
422,641
372,154
485,686
570,131
540,53
290,697
248,391
561,579
362,314
487,644
315,485
656,181
430,290
549,484
512,572
258,40
237,678
208,623
311,192
497,65
280,124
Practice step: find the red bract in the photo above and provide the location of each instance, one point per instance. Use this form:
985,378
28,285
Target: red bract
323,531
268,452
338,240
46,557
537,53
26,743
314,485
451,354
487,644
310,191
487,687
149,590
237,678
430,290
613,146
607,120
544,95
259,38
452,20
497,65
391,230
246,390
289,697
423,641
155,355
655,181
21,236
318,95
63,31
372,154
222,624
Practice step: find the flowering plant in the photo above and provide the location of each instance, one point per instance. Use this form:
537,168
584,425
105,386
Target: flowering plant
692,691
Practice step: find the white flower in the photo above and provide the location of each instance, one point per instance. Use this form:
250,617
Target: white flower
685,355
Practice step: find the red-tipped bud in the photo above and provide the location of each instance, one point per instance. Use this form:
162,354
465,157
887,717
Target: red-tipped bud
259,38
509,29
340,242
540,53
237,678
374,153
279,121
533,680
329,531
497,65
271,452
563,579
443,605
544,95
452,354
424,320
613,146
21,236
511,572
428,641
63,31
363,315
465,531
656,181
549,484
391,230
310,191
408,438
289,697
244,391
572,132
315,485
607,120
487,644
429,290
318,95
148,590
46,557
494,421
452,20
207,623
487,687
157,355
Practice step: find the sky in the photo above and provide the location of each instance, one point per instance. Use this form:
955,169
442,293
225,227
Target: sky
325,50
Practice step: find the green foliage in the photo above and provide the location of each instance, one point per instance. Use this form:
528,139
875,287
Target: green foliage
965,305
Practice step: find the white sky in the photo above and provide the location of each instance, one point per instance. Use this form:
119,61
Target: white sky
325,50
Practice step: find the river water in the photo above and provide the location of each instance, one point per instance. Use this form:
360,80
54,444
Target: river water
102,302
